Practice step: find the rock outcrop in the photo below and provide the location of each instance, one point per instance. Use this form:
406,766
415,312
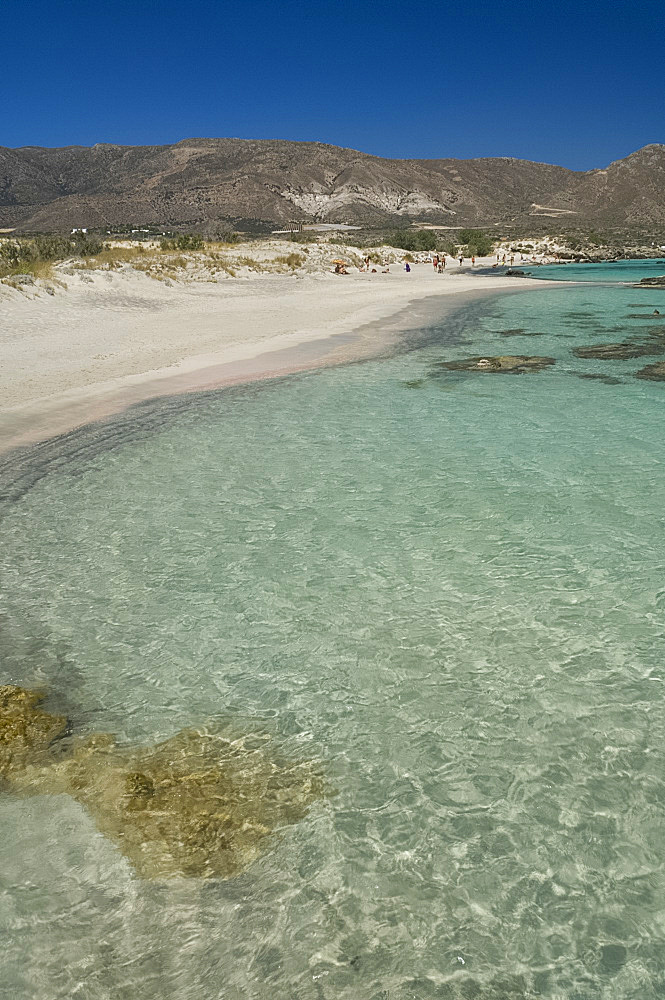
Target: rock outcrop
656,282
505,364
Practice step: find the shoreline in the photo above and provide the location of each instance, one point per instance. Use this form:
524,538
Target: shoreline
324,335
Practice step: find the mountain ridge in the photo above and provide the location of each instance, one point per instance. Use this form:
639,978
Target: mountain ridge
204,183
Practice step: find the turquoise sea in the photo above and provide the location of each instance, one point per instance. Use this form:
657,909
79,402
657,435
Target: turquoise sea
446,587
611,270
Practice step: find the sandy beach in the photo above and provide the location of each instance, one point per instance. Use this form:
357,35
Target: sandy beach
112,338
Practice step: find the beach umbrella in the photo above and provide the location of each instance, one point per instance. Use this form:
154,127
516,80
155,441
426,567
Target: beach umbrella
339,262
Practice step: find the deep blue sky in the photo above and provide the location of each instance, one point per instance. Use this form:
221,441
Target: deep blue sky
579,84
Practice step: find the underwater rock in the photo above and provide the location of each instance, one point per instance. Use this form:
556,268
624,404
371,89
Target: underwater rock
197,805
504,364
26,731
520,332
620,352
606,379
655,372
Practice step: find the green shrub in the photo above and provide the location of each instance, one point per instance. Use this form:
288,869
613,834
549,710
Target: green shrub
413,239
475,242
228,237
303,237
187,241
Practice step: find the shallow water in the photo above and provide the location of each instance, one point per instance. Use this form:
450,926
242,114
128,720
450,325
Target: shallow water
448,588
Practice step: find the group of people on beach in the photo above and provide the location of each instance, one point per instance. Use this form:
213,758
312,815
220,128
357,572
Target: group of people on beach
438,262
365,266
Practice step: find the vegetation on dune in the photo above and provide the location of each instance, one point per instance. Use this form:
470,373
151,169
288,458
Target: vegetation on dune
184,257
292,260
34,256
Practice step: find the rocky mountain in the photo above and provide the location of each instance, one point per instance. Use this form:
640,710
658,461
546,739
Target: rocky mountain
203,184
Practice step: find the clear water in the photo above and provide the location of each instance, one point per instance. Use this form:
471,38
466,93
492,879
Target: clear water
611,270
450,590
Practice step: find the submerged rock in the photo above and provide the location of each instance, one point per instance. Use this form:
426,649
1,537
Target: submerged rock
504,364
655,372
27,733
197,805
622,351
520,332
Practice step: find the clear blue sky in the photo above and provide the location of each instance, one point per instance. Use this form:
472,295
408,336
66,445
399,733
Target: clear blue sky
578,84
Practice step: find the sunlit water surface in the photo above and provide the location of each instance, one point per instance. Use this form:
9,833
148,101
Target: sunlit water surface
450,590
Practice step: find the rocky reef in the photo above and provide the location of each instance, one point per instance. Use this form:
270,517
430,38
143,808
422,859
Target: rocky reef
504,364
196,805
655,372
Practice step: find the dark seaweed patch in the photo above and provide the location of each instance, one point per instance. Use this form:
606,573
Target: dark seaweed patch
521,333
606,379
619,352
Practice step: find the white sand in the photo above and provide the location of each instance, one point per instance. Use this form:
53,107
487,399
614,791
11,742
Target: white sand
113,338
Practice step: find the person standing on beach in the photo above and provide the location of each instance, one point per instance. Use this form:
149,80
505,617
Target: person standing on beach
435,262
461,260
407,267
473,261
